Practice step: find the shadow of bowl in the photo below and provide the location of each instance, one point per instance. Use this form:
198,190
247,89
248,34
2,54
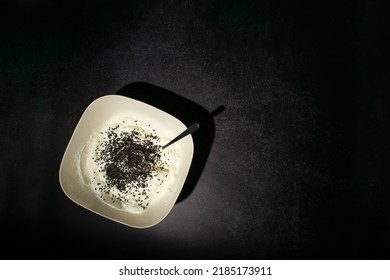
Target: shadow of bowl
186,111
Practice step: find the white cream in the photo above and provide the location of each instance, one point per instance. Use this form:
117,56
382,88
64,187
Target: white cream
132,198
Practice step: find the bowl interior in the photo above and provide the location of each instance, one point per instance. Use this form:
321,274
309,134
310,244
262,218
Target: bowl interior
101,111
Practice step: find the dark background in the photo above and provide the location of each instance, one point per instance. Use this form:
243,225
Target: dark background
297,167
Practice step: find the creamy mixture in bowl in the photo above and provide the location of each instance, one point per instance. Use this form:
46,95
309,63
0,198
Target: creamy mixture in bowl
124,165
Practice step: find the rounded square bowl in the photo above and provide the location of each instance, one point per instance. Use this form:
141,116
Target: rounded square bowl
97,113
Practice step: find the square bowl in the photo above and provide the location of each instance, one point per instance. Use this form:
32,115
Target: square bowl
100,112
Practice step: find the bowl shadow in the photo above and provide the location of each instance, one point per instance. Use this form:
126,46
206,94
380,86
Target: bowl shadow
187,112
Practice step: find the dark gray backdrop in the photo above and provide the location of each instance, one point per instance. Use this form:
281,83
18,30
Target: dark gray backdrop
297,166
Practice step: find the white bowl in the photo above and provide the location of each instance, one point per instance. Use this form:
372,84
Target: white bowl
97,113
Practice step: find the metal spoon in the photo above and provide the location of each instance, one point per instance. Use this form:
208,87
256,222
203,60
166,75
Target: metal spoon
189,130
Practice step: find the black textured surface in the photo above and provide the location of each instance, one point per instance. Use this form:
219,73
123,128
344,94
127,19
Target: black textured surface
297,166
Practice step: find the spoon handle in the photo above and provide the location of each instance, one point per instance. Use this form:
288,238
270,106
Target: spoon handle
189,130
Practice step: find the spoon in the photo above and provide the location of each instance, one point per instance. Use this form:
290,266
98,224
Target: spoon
189,130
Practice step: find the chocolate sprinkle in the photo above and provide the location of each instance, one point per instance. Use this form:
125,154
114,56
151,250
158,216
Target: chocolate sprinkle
130,160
